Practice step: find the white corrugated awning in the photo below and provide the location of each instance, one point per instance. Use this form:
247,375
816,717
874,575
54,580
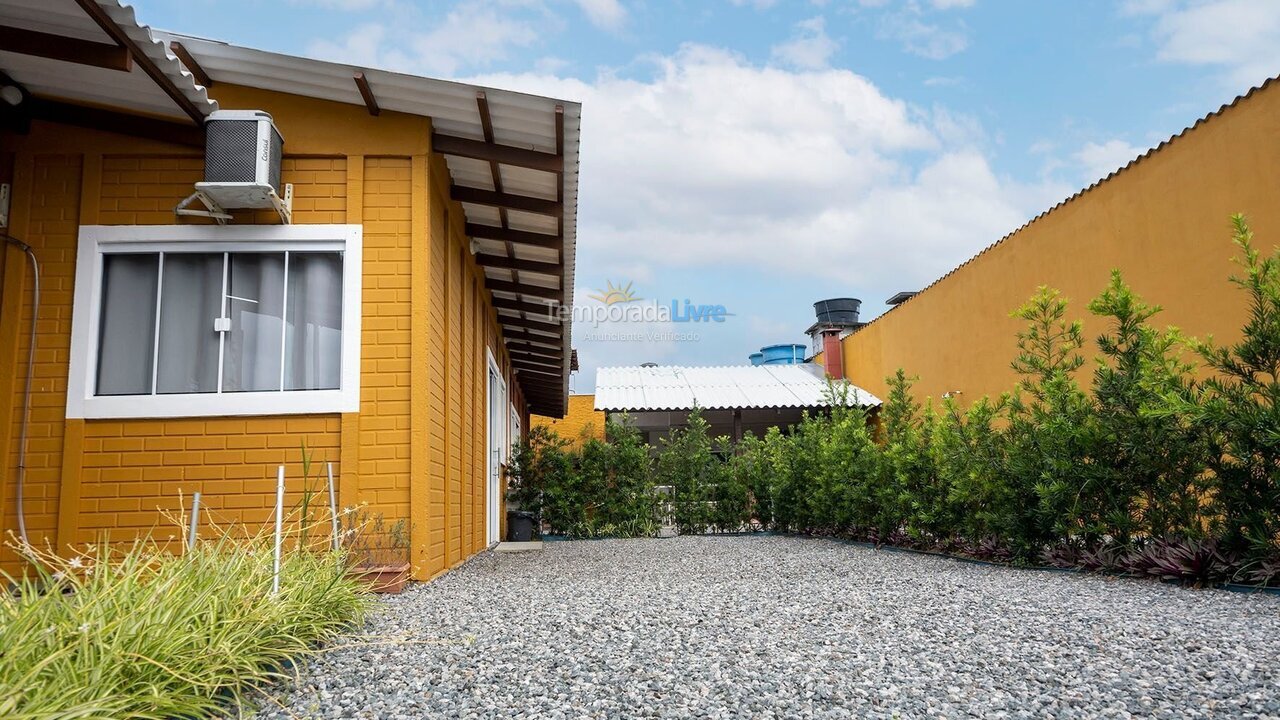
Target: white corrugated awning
513,161
716,388
97,53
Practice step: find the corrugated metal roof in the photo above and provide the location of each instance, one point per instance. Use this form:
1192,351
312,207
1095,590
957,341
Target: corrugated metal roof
518,119
56,79
715,388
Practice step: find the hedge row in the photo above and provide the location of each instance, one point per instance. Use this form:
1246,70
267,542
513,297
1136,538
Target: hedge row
1165,462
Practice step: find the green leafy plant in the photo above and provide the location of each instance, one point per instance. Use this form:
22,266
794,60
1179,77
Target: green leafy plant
1239,406
139,632
1147,470
1048,420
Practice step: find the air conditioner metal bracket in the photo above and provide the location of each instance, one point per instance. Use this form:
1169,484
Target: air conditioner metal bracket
212,209
217,196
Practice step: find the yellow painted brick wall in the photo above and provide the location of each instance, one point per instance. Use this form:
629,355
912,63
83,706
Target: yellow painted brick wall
384,383
134,470
118,476
46,218
582,420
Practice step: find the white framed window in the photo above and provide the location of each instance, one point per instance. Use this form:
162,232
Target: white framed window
203,320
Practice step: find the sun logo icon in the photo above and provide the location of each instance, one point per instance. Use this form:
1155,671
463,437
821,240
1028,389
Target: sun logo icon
615,294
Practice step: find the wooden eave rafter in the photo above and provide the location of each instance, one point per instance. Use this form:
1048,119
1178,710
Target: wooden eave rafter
509,263
189,62
505,200
522,237
104,21
108,56
525,289
366,93
535,333
543,309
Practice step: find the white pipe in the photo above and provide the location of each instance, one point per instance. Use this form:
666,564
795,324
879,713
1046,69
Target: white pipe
275,581
333,509
26,400
195,521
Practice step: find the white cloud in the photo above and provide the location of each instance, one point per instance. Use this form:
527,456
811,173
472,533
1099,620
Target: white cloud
717,167
1242,37
949,4
1099,160
470,36
605,14
809,47
717,162
928,40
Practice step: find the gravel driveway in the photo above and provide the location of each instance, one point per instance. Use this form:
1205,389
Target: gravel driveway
775,627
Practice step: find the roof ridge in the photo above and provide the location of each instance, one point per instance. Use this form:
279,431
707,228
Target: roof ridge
1080,193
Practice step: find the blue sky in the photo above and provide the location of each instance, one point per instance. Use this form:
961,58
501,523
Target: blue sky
766,154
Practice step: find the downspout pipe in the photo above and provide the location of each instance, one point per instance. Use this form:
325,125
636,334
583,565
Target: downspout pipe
26,394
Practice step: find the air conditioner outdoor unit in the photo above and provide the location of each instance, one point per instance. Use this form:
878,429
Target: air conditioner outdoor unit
242,160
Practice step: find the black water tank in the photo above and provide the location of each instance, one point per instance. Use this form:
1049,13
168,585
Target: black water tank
837,310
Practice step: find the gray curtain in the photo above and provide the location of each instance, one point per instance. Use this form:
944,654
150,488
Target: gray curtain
191,298
127,331
255,304
313,328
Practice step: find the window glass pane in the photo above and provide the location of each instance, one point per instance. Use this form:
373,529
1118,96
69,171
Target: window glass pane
126,334
190,300
313,329
255,304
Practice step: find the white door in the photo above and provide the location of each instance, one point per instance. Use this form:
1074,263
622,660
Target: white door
496,424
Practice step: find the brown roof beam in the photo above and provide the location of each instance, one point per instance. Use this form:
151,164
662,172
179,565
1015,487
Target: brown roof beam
552,326
531,336
480,196
66,49
547,310
178,133
104,21
547,355
189,61
528,372
493,232
551,368
506,263
524,289
366,92
537,343
493,152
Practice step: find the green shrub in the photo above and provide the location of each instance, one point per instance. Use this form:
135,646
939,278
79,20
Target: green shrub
141,633
1239,406
1147,463
1145,471
542,479
603,489
686,463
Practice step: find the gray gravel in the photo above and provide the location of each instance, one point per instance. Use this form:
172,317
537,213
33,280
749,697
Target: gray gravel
774,627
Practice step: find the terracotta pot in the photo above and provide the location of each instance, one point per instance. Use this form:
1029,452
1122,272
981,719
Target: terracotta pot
389,579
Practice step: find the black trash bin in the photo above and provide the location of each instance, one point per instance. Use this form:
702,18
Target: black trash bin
519,526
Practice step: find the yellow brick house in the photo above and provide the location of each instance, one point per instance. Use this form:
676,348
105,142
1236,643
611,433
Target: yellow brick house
387,299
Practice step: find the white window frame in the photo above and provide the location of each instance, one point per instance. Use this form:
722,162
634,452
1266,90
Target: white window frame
99,240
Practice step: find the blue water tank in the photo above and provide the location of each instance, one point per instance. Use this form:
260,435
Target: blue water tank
783,354
757,358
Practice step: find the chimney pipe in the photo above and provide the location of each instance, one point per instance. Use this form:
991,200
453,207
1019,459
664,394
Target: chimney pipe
832,354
